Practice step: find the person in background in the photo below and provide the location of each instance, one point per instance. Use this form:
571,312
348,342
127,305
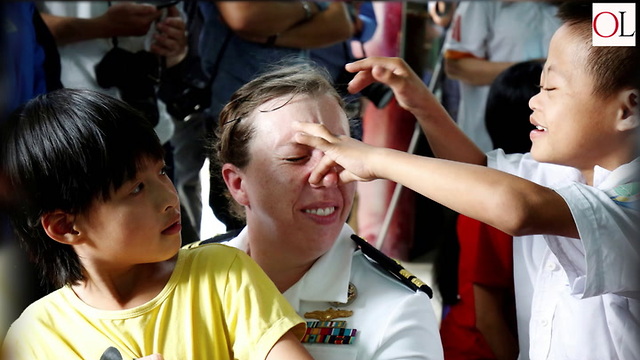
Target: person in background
119,48
355,307
29,66
101,219
482,323
571,202
485,38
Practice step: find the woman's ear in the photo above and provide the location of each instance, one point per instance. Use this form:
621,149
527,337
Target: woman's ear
233,177
59,226
629,110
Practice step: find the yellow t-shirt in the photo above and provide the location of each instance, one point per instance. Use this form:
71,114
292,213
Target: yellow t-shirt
218,304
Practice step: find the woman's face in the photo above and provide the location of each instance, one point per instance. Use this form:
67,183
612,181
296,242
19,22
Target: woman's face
279,200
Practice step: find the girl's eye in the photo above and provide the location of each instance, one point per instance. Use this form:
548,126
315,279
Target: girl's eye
164,170
137,189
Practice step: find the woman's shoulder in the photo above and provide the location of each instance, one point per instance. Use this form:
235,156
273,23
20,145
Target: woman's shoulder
384,271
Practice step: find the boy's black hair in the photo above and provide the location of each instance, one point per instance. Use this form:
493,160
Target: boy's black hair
62,151
507,111
612,68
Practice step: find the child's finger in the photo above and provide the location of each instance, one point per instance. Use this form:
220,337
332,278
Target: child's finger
325,165
314,135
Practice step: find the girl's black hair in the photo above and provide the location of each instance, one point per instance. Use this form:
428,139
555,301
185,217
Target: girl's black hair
507,111
62,151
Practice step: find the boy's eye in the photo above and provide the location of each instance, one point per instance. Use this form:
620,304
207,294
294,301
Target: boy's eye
164,170
545,88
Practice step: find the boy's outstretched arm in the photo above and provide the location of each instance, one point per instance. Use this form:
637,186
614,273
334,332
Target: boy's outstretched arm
447,141
507,202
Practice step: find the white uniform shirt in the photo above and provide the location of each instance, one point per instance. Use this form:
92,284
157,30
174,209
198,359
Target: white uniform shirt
496,31
392,321
578,298
77,60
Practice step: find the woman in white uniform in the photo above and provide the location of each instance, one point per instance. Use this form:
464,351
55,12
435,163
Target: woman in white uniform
355,307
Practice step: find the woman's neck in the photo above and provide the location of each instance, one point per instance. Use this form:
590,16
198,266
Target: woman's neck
283,269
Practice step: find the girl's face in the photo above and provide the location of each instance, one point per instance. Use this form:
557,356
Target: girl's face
139,224
302,218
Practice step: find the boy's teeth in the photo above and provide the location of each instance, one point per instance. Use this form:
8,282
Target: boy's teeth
321,212
541,128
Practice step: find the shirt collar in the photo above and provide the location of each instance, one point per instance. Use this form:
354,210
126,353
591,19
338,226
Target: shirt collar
334,265
605,179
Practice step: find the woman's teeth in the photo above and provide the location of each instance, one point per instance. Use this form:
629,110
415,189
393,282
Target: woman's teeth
321,212
541,128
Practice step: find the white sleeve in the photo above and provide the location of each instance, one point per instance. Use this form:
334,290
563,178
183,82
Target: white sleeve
608,260
411,331
472,22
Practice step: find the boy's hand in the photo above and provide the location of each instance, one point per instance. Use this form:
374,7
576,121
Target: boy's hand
343,154
410,91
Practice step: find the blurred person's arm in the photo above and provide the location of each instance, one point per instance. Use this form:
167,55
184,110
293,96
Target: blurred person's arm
121,19
491,322
328,27
261,19
472,70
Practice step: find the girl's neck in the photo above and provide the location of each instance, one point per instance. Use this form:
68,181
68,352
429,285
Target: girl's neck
125,289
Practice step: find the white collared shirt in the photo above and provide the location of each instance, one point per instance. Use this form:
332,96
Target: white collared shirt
578,298
392,321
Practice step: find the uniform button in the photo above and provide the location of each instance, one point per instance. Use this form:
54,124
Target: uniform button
544,323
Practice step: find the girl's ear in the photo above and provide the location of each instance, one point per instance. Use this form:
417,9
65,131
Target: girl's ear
59,226
630,110
233,177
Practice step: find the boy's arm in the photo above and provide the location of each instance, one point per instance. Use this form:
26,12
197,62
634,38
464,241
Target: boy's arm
288,347
509,203
445,138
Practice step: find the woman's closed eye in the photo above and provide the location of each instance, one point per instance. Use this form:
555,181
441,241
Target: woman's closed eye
294,159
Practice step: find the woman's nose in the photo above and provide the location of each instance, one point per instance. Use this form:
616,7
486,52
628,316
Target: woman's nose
331,177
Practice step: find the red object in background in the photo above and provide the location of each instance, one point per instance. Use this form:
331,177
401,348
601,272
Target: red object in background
390,127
